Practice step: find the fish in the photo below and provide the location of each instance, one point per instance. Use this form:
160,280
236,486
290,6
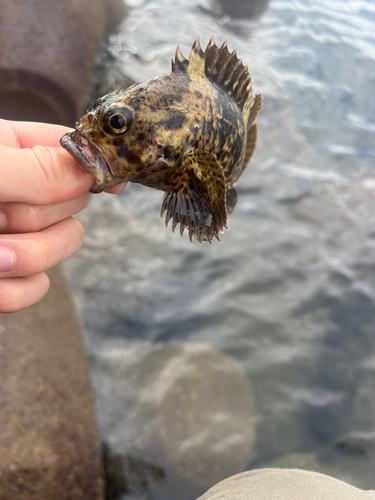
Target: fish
190,133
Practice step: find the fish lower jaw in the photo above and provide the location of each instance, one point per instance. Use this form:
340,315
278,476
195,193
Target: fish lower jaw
100,186
90,159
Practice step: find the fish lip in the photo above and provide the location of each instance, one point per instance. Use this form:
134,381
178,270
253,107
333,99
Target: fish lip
89,157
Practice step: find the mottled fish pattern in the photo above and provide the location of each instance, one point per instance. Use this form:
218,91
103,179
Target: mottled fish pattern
190,133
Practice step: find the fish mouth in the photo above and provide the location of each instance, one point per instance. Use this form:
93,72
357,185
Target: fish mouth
89,157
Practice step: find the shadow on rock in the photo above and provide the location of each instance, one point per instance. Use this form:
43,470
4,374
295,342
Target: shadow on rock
128,474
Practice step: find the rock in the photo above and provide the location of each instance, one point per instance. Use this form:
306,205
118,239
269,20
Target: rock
48,50
48,439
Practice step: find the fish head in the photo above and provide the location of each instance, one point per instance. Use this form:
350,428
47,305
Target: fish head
115,140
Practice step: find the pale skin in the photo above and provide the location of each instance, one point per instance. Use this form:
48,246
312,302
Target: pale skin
41,188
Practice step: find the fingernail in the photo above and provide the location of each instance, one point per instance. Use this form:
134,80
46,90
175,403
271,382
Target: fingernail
7,259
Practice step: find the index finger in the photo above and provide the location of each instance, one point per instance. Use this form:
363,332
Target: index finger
30,134
41,175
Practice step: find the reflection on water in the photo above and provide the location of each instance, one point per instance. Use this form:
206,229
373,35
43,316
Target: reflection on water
259,351
194,414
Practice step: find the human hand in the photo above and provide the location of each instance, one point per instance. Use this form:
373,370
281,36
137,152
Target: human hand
41,187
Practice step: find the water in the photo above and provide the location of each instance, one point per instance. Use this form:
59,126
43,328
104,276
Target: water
259,351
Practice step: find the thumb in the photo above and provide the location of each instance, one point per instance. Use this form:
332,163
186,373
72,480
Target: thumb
41,175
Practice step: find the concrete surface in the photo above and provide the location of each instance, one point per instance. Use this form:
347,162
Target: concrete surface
48,439
48,52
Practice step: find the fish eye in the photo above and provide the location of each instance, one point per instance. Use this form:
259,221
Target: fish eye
116,119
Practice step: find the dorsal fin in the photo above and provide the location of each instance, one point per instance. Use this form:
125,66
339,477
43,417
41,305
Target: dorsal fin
196,64
221,67
180,63
250,144
255,107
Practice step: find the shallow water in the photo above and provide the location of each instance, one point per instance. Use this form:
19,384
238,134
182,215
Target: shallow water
259,351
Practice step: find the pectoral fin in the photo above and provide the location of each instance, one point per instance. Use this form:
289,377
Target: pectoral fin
197,197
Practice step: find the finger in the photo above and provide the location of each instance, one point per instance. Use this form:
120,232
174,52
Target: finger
19,293
116,189
31,253
26,218
41,176
30,134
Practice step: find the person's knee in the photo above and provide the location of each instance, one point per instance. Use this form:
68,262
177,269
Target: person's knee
284,484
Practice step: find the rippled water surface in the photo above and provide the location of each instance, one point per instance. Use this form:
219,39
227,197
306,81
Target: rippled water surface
259,351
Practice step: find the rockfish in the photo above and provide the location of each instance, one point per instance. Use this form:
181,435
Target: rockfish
189,133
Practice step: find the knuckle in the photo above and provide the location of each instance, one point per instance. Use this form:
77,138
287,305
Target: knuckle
21,217
34,218
37,217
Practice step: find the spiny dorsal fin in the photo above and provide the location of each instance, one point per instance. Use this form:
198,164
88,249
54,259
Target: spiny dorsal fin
196,60
221,67
254,109
180,63
250,144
